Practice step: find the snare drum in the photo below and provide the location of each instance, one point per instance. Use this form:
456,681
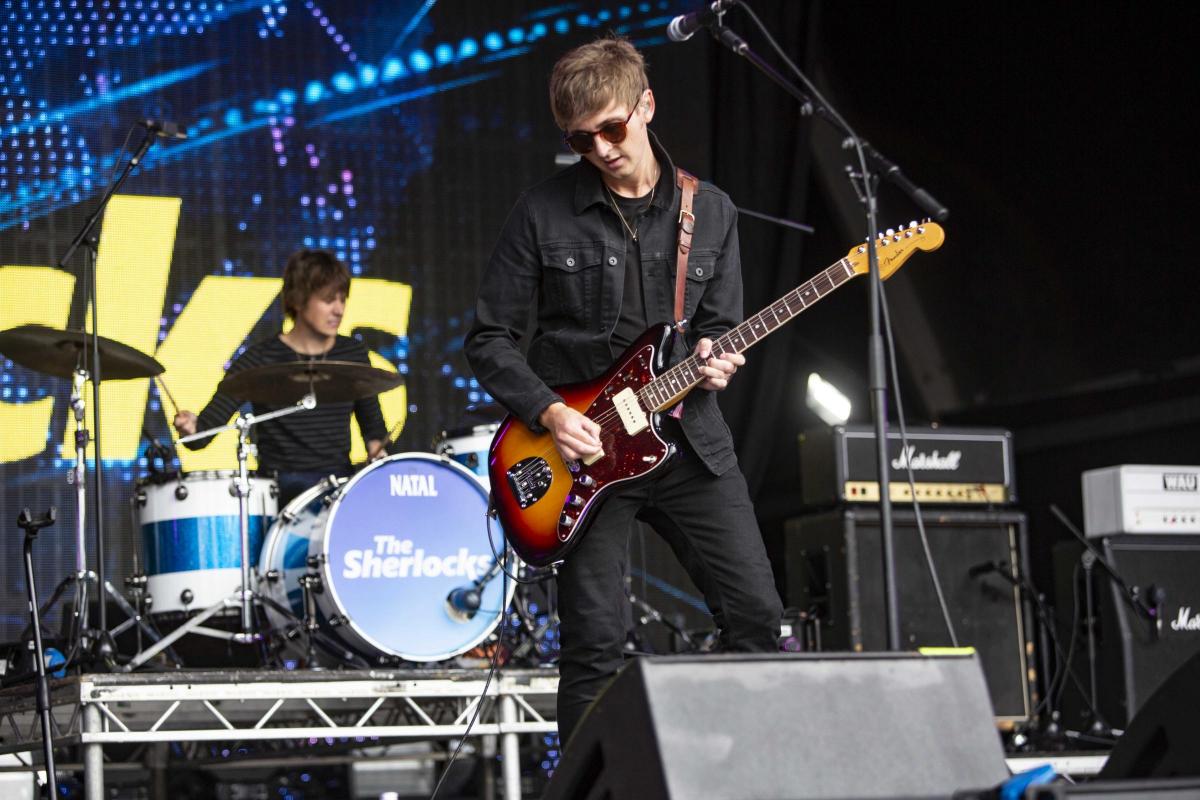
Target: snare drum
191,536
469,447
391,544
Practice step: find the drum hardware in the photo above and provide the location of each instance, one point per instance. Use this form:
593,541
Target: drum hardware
61,353
535,634
245,595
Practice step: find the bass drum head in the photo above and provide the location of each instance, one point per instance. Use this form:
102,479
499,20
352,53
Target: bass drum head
402,535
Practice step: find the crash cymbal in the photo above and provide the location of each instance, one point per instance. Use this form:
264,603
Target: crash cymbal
331,381
57,352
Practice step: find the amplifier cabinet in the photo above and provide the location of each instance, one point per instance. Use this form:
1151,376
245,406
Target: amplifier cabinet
1134,656
833,567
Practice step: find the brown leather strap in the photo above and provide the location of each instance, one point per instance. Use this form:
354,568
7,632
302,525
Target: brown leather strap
688,184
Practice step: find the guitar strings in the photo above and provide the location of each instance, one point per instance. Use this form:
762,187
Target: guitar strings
723,344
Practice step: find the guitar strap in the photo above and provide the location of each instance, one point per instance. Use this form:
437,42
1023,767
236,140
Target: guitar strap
687,184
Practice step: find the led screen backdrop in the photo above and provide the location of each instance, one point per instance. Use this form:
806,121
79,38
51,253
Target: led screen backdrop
395,134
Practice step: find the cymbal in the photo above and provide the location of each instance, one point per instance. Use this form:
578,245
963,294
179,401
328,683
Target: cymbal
57,352
330,381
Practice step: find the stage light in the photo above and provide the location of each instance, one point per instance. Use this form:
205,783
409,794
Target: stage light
826,401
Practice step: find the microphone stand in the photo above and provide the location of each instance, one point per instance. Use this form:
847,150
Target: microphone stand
31,526
1133,596
104,645
864,187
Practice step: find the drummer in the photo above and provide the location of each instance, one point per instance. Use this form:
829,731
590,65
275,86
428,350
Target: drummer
306,447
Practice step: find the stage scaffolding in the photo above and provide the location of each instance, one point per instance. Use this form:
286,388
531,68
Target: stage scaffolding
94,710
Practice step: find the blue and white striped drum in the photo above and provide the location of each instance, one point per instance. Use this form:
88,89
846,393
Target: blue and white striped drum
391,544
191,536
469,447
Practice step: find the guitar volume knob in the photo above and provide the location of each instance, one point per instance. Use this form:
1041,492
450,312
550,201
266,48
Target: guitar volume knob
574,500
566,520
586,480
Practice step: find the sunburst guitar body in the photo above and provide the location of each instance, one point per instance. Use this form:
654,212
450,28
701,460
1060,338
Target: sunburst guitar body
546,503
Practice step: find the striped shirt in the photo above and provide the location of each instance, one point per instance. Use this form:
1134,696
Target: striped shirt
315,440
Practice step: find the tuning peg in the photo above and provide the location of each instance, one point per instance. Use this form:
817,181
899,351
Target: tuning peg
891,231
912,224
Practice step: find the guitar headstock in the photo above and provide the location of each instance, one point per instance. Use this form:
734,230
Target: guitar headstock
895,247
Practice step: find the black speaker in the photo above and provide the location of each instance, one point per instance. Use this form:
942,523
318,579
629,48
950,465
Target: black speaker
1163,741
833,565
799,726
1134,655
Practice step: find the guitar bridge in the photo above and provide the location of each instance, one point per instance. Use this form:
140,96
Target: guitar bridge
529,480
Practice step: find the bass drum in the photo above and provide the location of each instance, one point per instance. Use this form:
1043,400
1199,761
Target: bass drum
390,545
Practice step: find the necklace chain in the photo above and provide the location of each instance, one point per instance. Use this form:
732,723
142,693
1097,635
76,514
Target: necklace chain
633,231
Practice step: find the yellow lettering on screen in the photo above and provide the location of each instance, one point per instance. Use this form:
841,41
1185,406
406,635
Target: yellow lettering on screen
30,296
217,319
132,267
383,305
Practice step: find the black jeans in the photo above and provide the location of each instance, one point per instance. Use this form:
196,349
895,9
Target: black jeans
709,522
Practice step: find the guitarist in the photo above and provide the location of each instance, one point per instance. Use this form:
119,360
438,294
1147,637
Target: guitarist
593,249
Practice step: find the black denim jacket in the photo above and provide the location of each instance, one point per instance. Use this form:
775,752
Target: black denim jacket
561,257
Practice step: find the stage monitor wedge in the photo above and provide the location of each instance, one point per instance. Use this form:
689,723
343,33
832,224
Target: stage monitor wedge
796,726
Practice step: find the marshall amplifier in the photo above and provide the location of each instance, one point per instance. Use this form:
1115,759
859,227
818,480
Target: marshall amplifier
950,465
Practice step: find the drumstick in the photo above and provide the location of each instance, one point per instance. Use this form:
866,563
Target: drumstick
163,385
393,434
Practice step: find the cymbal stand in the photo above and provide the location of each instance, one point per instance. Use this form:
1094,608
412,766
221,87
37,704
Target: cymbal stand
78,476
80,634
246,594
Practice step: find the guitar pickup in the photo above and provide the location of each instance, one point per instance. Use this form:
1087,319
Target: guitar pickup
630,411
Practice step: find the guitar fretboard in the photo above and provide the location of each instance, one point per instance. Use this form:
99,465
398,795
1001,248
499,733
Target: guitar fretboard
679,379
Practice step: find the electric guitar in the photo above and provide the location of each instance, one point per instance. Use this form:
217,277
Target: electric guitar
545,503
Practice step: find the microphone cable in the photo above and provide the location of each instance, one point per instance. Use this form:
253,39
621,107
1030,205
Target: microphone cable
495,665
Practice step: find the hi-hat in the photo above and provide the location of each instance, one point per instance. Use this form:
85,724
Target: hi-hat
330,381
51,351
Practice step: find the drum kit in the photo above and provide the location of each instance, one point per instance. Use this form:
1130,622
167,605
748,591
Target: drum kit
388,566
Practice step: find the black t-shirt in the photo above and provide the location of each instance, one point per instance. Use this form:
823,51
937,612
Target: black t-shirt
318,439
632,321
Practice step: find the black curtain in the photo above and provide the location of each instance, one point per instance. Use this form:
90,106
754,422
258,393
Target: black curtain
761,158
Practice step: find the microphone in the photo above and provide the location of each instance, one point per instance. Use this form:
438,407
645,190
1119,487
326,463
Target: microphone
163,128
462,604
685,26
1158,598
986,567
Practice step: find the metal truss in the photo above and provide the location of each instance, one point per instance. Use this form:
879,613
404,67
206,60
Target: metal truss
92,711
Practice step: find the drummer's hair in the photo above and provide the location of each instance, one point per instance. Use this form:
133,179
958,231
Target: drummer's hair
308,272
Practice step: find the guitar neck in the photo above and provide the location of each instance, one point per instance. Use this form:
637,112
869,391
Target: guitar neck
670,387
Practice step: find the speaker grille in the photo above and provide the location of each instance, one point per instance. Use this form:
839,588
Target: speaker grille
834,567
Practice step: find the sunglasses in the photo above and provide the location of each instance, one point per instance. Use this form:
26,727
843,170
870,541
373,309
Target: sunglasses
582,142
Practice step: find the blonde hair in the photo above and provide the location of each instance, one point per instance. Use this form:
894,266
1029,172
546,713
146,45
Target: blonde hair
590,77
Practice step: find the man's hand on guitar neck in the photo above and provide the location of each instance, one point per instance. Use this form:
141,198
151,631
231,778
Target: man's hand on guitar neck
575,436
718,370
